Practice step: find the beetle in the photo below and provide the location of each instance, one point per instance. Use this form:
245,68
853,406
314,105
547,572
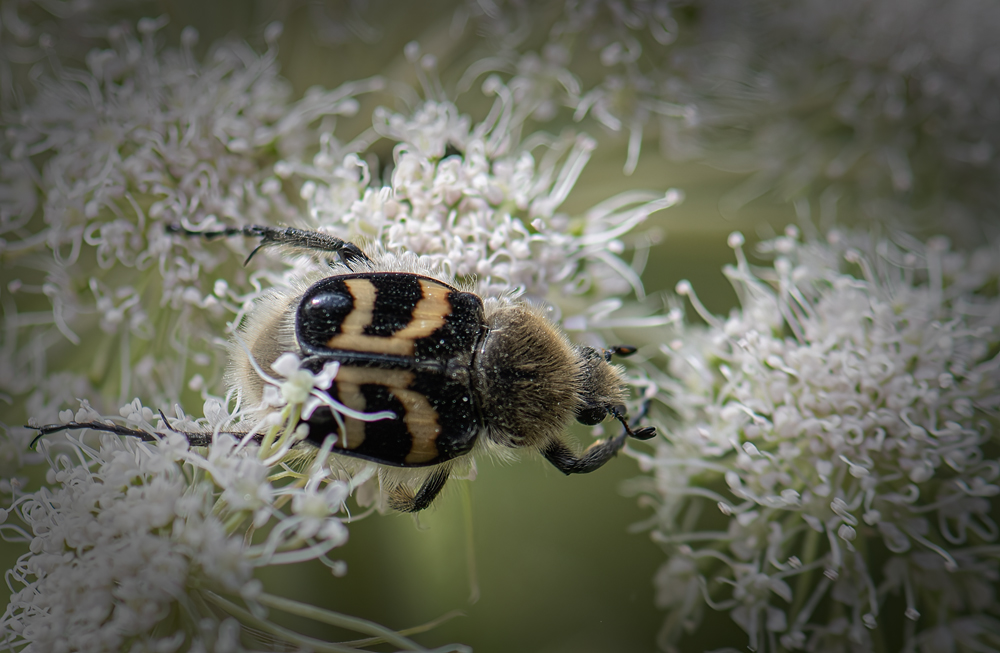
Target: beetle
455,371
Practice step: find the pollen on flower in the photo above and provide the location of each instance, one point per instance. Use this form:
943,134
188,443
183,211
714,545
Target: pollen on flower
843,409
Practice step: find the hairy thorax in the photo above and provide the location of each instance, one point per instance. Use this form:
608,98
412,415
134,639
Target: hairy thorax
527,377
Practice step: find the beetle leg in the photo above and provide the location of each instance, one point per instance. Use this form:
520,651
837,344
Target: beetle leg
401,498
562,457
567,462
283,236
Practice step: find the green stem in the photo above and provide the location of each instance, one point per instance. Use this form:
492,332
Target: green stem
290,636
470,545
415,630
804,582
336,619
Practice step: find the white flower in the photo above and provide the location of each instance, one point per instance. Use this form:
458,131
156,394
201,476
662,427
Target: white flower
135,544
488,211
144,138
840,421
300,384
116,545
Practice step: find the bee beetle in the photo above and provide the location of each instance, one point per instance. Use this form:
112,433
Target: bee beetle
455,371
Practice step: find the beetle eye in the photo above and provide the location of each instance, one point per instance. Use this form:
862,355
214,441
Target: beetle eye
591,415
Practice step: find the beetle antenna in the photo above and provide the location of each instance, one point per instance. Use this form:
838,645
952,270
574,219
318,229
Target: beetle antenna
48,429
195,439
290,237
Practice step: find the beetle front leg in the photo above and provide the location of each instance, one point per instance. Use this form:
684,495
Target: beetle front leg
567,462
562,457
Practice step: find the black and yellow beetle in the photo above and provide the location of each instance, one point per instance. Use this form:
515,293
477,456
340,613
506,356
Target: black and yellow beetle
455,371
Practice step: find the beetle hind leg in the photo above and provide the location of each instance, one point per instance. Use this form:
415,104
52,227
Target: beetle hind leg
289,237
403,499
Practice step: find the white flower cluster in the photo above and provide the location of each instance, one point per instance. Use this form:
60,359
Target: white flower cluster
96,165
889,106
142,545
829,476
489,210
134,544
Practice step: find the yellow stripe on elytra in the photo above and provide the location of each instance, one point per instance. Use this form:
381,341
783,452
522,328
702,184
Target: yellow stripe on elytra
422,423
364,293
429,313
428,316
420,417
350,395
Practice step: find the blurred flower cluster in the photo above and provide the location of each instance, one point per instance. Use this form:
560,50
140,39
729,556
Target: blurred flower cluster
829,475
889,108
609,61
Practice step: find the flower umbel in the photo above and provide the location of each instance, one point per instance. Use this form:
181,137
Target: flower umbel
145,543
100,162
480,202
841,422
